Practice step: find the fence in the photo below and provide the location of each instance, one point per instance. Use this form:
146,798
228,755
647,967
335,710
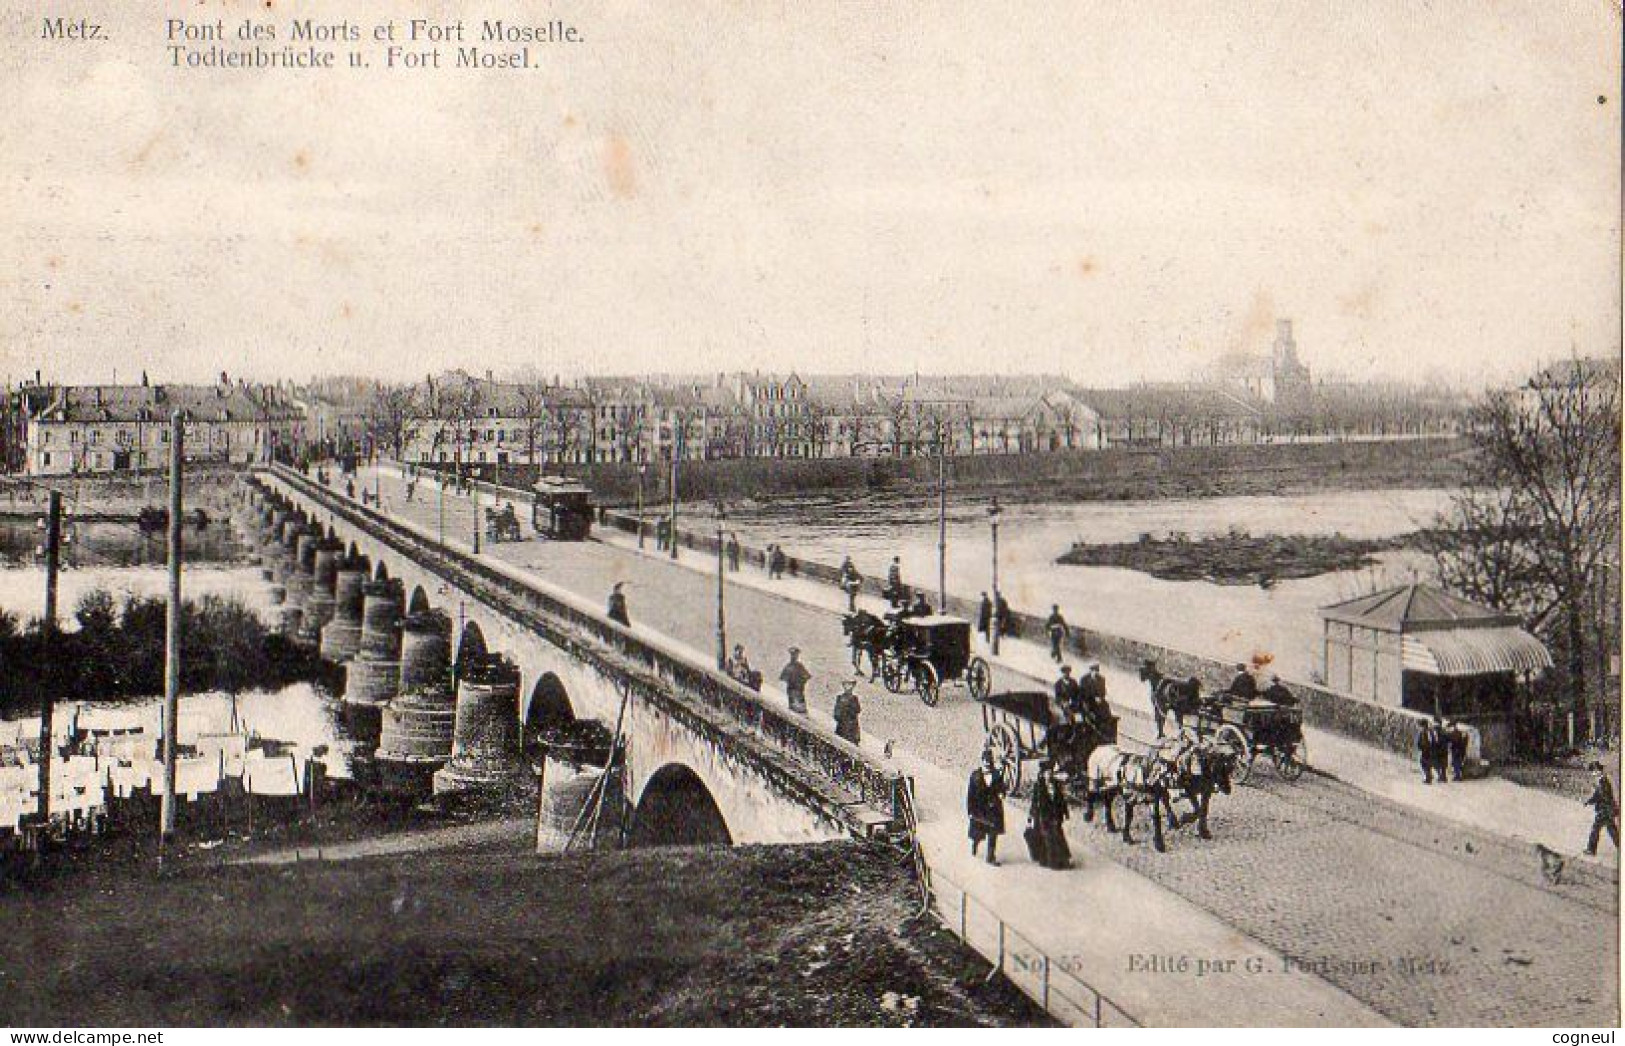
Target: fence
1056,989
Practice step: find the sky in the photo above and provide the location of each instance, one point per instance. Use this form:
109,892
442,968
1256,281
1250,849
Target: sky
1113,191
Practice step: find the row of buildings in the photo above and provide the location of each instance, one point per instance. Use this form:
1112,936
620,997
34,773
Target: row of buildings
457,418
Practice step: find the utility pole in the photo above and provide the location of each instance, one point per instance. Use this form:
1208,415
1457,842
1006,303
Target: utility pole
53,554
722,625
676,453
998,619
942,521
172,631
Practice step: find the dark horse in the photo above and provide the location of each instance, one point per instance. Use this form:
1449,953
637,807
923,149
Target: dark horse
1169,696
865,634
1198,769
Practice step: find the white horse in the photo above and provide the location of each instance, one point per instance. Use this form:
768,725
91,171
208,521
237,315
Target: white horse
1112,772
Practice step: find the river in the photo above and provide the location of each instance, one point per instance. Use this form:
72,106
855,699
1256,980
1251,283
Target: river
1231,622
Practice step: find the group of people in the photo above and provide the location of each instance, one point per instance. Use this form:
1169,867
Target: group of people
795,676
1083,700
1048,811
1442,748
1245,687
992,612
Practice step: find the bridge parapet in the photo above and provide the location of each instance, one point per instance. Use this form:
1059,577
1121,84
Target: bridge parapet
806,763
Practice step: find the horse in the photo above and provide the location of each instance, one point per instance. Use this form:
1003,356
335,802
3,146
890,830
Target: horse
1170,696
1113,772
865,634
1197,770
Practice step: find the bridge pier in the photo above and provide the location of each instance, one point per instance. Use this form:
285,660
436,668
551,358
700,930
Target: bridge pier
341,637
320,607
371,679
485,737
415,737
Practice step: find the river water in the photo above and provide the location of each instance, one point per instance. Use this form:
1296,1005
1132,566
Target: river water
1230,622
305,718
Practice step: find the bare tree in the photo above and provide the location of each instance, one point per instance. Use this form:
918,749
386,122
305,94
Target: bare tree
1532,530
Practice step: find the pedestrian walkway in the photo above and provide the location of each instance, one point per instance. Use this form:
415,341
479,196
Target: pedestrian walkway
1490,804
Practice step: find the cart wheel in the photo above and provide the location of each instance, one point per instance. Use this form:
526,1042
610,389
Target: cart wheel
927,683
891,673
1291,762
1006,748
978,678
1231,737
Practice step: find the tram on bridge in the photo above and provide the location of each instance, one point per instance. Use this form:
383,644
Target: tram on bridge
561,509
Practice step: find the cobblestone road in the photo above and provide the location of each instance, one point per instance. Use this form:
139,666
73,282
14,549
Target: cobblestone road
1427,921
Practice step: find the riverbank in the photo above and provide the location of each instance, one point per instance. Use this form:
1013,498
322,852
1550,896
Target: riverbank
491,935
1112,474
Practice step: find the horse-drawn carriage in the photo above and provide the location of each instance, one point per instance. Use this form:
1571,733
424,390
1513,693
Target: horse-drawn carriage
1254,727
1247,726
917,653
1023,725
502,524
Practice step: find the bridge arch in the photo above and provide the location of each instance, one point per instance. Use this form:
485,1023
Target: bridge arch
549,704
677,809
419,603
471,647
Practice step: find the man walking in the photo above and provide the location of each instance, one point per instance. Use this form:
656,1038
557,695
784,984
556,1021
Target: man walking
984,618
847,710
984,804
1604,810
1456,745
795,678
851,583
733,553
1058,631
894,582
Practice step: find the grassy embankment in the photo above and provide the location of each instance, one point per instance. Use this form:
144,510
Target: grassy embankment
491,935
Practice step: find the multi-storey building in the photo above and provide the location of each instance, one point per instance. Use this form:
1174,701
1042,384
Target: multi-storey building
113,428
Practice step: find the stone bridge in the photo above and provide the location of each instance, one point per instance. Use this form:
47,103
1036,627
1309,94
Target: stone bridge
695,757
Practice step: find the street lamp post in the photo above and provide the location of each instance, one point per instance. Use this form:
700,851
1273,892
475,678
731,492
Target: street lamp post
676,454
643,470
998,622
942,521
722,620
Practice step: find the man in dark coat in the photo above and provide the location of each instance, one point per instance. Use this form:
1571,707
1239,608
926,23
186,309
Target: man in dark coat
984,618
1456,744
894,582
1277,693
1046,830
846,712
1001,615
1055,625
851,583
1068,694
1244,685
1604,810
1427,744
1092,689
1441,751
617,605
984,803
795,678
733,552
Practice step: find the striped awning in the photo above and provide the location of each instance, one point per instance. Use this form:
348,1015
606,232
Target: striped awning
1474,651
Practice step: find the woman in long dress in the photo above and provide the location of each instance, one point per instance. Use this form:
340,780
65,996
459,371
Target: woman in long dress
1047,823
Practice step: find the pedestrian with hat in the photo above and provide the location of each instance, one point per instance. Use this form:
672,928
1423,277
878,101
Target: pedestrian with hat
1604,809
795,678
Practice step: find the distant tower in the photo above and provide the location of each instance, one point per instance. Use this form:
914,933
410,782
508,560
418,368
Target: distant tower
1291,377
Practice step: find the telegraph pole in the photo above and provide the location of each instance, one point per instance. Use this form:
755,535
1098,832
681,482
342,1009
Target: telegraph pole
676,452
53,553
942,521
172,631
722,625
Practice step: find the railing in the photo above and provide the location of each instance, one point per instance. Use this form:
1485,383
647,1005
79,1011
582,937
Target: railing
832,757
1056,989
